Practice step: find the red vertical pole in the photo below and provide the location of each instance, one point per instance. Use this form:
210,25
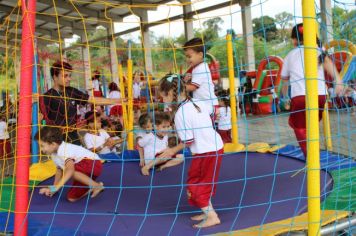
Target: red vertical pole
24,118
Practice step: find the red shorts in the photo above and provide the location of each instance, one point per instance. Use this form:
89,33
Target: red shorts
91,168
5,148
97,93
116,110
225,135
202,177
297,119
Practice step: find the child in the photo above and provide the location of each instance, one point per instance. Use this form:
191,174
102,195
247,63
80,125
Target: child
97,84
154,142
97,139
293,74
224,123
193,124
145,123
5,147
114,129
137,84
114,93
73,162
201,83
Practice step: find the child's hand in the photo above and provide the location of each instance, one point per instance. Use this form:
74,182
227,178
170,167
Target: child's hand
110,142
46,191
340,89
142,163
145,171
187,77
166,153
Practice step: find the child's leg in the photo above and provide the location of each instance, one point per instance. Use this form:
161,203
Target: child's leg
202,177
84,177
208,218
146,169
173,162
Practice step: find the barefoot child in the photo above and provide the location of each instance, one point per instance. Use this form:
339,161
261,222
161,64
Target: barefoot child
194,127
73,162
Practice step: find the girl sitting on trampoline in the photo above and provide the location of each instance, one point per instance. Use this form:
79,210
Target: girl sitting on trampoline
293,72
73,162
193,124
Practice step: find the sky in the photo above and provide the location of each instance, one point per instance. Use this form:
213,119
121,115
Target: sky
231,15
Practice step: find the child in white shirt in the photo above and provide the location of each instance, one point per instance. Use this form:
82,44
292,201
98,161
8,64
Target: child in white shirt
194,128
201,83
73,162
137,84
155,142
224,119
97,139
145,123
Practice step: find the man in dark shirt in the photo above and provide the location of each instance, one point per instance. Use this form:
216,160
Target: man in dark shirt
59,104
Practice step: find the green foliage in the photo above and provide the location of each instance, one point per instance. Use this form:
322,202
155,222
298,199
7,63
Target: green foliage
265,27
344,22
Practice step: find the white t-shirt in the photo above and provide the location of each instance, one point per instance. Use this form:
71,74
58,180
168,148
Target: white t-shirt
225,118
196,128
293,67
137,89
114,94
96,85
95,141
201,78
152,145
3,131
68,151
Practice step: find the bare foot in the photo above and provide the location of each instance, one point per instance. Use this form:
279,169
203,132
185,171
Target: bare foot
98,189
198,217
162,167
145,170
211,220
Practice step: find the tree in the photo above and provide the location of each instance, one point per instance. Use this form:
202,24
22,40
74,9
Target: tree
210,33
283,19
344,24
265,27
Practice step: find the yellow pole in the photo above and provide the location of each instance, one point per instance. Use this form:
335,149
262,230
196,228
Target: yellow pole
327,130
234,146
312,119
123,95
130,134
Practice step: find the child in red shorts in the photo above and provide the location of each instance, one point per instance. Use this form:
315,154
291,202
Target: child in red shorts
193,125
73,162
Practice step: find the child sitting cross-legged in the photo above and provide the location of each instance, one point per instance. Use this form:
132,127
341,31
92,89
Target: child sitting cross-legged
155,142
73,162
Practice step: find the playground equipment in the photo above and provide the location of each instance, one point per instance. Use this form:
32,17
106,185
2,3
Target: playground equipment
345,63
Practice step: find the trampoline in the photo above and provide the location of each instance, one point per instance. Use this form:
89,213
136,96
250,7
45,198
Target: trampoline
251,191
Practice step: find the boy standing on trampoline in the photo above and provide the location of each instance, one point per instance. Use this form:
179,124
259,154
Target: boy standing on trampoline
73,162
193,124
293,72
199,81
